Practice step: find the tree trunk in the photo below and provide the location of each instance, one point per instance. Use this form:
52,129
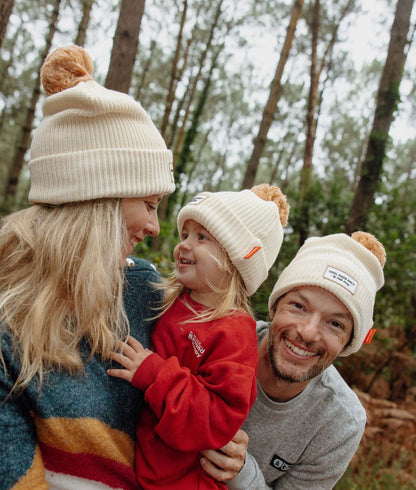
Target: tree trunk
173,76
185,155
144,71
6,7
85,20
274,96
302,226
179,141
27,128
388,97
126,41
168,203
178,145
191,169
6,65
174,127
185,56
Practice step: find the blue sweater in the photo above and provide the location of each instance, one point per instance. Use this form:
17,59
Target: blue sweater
80,429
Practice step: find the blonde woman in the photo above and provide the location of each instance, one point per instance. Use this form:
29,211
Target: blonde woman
99,169
200,382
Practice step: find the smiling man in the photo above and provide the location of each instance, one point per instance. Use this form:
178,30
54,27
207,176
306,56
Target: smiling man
306,423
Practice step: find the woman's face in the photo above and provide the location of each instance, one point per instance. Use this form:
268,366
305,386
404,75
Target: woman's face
140,216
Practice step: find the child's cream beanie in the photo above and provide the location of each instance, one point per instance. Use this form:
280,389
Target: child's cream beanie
93,142
351,268
247,224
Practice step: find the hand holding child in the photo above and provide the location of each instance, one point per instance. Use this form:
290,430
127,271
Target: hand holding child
131,355
225,463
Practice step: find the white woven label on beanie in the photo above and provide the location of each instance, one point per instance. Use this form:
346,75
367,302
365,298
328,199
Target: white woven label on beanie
197,199
341,278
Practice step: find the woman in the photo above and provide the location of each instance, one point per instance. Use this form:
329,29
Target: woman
98,170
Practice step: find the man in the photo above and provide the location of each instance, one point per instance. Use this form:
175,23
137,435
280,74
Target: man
306,423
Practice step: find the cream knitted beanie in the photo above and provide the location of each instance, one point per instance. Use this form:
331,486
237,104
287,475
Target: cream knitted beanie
247,224
93,142
351,268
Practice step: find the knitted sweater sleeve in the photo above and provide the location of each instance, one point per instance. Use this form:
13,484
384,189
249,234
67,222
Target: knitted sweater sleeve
20,459
212,403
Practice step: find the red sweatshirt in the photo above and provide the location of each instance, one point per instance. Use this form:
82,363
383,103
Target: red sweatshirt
199,387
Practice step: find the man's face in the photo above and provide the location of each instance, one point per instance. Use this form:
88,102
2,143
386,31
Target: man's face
310,328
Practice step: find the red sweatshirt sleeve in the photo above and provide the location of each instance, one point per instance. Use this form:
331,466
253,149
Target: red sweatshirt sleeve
204,411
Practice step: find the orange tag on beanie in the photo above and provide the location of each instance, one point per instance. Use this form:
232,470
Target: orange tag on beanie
369,336
252,252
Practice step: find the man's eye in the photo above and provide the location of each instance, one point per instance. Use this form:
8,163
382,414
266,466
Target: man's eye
337,325
202,237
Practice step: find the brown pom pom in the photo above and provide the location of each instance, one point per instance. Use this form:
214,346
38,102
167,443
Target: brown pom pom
273,193
64,68
371,243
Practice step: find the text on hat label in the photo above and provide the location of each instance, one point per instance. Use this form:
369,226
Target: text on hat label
341,278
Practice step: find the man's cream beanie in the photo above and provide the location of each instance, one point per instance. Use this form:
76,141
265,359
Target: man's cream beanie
351,268
247,224
93,142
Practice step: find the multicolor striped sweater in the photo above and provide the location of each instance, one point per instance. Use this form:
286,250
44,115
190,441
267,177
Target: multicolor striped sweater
78,432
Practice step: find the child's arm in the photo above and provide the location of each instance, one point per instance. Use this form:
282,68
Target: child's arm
204,411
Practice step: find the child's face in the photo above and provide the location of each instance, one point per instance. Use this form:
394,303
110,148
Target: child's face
197,259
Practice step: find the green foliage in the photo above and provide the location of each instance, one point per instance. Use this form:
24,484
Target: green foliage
395,220
163,258
380,469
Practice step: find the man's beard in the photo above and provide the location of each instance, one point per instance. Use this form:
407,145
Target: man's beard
313,371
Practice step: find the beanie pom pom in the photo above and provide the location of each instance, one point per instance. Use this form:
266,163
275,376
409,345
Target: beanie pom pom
64,68
371,243
273,193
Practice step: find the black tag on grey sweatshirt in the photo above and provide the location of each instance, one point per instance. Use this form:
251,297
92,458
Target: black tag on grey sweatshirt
279,463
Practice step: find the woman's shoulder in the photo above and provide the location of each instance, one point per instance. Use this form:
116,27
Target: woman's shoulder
140,268
141,280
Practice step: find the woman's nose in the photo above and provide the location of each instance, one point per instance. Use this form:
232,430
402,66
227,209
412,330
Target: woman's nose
153,227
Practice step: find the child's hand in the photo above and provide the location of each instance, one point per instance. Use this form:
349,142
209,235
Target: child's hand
131,355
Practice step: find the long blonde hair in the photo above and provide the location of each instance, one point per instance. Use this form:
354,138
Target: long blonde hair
234,294
61,281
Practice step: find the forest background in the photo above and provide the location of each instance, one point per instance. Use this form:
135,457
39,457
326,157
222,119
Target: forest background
317,97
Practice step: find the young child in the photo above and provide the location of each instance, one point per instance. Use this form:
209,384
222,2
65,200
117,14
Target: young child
200,381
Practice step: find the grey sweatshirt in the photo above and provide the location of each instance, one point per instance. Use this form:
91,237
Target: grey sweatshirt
306,442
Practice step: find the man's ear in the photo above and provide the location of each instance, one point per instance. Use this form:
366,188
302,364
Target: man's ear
349,340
